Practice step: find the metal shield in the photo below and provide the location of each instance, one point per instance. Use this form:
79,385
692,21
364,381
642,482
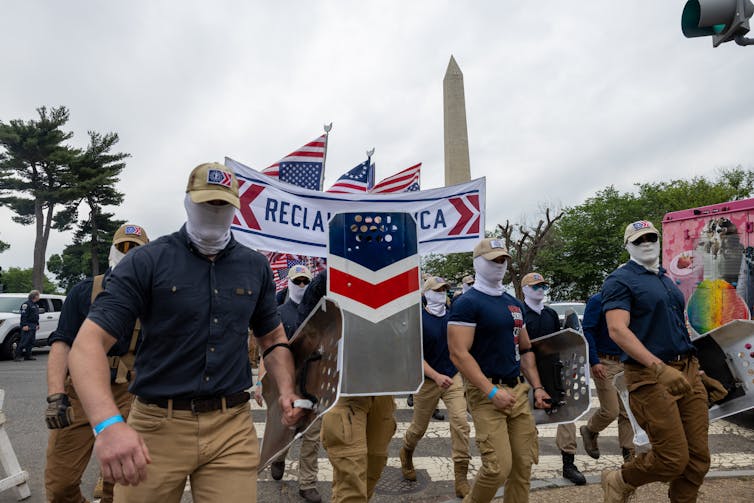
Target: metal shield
373,274
641,440
563,359
315,353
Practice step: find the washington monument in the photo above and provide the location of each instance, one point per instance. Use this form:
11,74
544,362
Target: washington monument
457,167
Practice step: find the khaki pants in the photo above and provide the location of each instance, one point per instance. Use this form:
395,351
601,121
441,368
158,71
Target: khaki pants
356,433
611,406
565,438
507,441
217,450
69,450
677,427
425,402
307,459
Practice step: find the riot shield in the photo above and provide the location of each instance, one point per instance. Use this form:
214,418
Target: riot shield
563,365
315,353
373,274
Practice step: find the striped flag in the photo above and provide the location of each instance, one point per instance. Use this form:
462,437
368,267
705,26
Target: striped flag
358,180
403,181
304,168
282,262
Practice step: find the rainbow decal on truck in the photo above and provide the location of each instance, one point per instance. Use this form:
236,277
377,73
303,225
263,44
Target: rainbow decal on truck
713,304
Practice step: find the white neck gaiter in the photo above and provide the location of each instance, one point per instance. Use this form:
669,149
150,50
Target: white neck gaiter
436,304
115,256
465,288
646,254
489,276
535,299
296,292
208,226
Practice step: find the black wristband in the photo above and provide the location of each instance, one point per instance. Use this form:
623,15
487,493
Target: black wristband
279,344
540,387
522,352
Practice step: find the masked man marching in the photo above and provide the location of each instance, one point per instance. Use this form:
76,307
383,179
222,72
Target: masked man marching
644,312
197,292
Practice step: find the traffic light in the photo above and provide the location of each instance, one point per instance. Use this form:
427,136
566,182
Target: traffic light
724,20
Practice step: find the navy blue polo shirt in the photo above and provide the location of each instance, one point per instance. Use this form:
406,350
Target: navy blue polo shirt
541,324
74,312
656,306
497,322
435,341
595,330
195,315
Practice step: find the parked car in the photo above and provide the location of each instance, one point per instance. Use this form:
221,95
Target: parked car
561,307
10,320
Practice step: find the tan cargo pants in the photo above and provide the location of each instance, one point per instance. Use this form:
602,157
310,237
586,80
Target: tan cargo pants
218,451
308,457
69,450
507,441
356,433
611,406
677,427
425,402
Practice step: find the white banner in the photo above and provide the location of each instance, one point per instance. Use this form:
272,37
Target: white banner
288,219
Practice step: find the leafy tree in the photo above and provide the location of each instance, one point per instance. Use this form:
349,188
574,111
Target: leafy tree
94,174
3,246
452,267
75,262
588,241
34,175
17,280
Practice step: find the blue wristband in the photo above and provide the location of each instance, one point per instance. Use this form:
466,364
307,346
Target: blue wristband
493,392
107,422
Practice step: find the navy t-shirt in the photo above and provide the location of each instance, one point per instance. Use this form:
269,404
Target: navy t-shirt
497,322
435,340
656,306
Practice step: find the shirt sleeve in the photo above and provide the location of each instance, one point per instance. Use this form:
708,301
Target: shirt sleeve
592,314
615,295
73,314
462,312
265,317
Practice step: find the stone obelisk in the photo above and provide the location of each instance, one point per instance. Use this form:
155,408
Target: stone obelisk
457,167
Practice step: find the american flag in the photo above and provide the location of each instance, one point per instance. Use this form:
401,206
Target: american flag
281,262
403,181
304,167
358,180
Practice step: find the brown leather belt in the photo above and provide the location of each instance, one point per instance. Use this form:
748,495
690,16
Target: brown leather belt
605,356
200,404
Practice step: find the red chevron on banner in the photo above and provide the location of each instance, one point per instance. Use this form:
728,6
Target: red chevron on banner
374,295
468,208
247,197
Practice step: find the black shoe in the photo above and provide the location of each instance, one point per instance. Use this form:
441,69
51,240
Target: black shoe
311,495
410,400
30,358
570,471
17,358
438,415
277,469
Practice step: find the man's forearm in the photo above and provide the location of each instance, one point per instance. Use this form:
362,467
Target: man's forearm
628,342
57,367
469,369
529,369
278,362
90,372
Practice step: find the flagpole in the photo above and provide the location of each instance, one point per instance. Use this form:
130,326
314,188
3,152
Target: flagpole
370,153
327,128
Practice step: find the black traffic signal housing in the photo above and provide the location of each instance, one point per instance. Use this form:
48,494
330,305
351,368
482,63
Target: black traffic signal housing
724,20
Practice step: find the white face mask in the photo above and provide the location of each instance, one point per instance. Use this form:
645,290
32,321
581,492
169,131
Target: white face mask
436,302
646,254
296,292
208,226
489,276
115,256
535,299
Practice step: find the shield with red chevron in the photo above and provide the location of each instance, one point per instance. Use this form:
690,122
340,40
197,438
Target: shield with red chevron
373,274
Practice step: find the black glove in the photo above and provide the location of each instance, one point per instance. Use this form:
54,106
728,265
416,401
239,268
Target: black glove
59,413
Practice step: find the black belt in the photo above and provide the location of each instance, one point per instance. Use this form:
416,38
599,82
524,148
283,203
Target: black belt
678,358
510,382
201,404
605,356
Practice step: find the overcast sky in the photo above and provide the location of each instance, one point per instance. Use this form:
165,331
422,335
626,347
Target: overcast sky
560,102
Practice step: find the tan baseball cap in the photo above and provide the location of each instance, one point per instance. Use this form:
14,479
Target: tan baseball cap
213,182
433,283
637,229
491,248
533,278
130,232
298,271
468,280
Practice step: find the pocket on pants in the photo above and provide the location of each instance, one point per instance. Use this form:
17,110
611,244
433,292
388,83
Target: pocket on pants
337,432
146,418
535,447
487,452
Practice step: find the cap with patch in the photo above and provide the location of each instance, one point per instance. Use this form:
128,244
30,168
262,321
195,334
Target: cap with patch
468,280
533,278
298,271
637,229
433,283
490,249
130,232
213,182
